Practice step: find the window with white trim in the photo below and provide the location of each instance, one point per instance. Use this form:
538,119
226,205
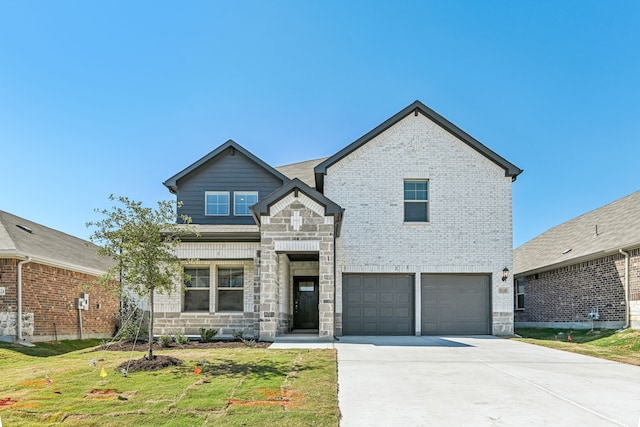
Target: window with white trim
216,203
196,289
242,201
519,293
230,289
416,200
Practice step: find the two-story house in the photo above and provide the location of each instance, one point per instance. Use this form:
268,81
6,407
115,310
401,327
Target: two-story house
407,230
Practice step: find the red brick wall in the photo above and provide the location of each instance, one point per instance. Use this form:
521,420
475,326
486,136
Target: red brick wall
8,281
50,293
567,294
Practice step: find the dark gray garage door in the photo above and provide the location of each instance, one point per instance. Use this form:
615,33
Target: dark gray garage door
456,304
377,304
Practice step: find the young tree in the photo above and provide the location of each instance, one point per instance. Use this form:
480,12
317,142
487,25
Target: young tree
142,242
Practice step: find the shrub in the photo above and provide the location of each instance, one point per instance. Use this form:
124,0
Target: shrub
239,335
180,339
164,341
207,335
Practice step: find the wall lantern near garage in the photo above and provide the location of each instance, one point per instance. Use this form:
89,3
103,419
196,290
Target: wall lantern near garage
505,274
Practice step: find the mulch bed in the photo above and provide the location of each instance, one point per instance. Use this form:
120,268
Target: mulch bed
191,345
158,362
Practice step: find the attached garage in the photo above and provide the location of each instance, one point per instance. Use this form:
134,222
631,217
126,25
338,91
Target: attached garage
456,304
377,304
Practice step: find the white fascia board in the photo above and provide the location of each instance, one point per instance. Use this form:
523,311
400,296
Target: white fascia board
53,263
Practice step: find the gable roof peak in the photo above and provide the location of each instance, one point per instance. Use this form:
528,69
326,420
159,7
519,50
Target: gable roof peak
172,183
416,108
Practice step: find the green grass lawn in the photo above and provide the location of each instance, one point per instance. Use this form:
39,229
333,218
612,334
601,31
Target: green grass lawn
236,387
603,343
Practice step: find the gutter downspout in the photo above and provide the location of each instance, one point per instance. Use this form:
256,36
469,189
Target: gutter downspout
335,338
19,294
627,314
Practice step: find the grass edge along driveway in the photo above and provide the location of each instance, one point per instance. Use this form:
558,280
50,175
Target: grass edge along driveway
618,346
221,387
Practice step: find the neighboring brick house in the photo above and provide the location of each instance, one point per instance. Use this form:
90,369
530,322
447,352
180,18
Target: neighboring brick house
405,231
584,272
42,274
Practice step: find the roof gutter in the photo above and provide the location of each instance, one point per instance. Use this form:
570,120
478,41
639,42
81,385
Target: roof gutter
20,338
627,314
53,263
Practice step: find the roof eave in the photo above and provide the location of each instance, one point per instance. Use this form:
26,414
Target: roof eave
576,260
53,263
172,183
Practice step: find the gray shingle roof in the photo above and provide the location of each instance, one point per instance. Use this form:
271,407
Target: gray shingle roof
20,237
595,234
302,170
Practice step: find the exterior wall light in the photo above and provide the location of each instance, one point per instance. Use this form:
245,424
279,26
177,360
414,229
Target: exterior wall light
505,274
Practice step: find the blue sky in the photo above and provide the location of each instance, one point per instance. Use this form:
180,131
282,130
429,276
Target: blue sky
115,97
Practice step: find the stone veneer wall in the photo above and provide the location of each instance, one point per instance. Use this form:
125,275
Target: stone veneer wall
279,227
169,317
568,293
470,227
48,303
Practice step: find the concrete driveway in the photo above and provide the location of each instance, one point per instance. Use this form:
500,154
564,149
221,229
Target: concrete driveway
478,381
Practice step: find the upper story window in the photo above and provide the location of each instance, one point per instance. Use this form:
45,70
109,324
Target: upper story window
243,200
416,200
197,285
216,203
519,291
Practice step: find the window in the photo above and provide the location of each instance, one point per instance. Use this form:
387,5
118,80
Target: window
243,200
230,288
216,203
196,294
416,201
520,293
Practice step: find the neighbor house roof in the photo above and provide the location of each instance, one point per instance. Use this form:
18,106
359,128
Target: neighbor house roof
417,107
171,183
593,235
302,170
21,238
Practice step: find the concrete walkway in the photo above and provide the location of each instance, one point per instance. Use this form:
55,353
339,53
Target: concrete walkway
477,381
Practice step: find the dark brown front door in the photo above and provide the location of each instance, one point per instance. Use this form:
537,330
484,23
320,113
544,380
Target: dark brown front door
305,303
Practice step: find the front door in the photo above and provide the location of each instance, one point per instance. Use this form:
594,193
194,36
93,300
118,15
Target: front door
305,303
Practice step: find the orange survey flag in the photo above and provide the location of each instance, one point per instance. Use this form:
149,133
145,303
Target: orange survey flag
197,370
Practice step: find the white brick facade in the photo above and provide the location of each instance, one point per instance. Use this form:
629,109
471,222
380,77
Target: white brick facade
470,228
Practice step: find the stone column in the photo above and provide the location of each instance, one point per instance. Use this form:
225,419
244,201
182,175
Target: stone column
268,291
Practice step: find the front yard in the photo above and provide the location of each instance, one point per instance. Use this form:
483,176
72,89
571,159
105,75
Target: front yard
221,387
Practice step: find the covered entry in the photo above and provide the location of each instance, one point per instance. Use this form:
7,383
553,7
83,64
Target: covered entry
377,304
456,304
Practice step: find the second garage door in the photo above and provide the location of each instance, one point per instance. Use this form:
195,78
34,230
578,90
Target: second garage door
377,304
456,304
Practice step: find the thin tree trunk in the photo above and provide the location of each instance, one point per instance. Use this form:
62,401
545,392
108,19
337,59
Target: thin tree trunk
151,323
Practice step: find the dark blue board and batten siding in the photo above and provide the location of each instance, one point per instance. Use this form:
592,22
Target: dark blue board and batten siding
225,172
